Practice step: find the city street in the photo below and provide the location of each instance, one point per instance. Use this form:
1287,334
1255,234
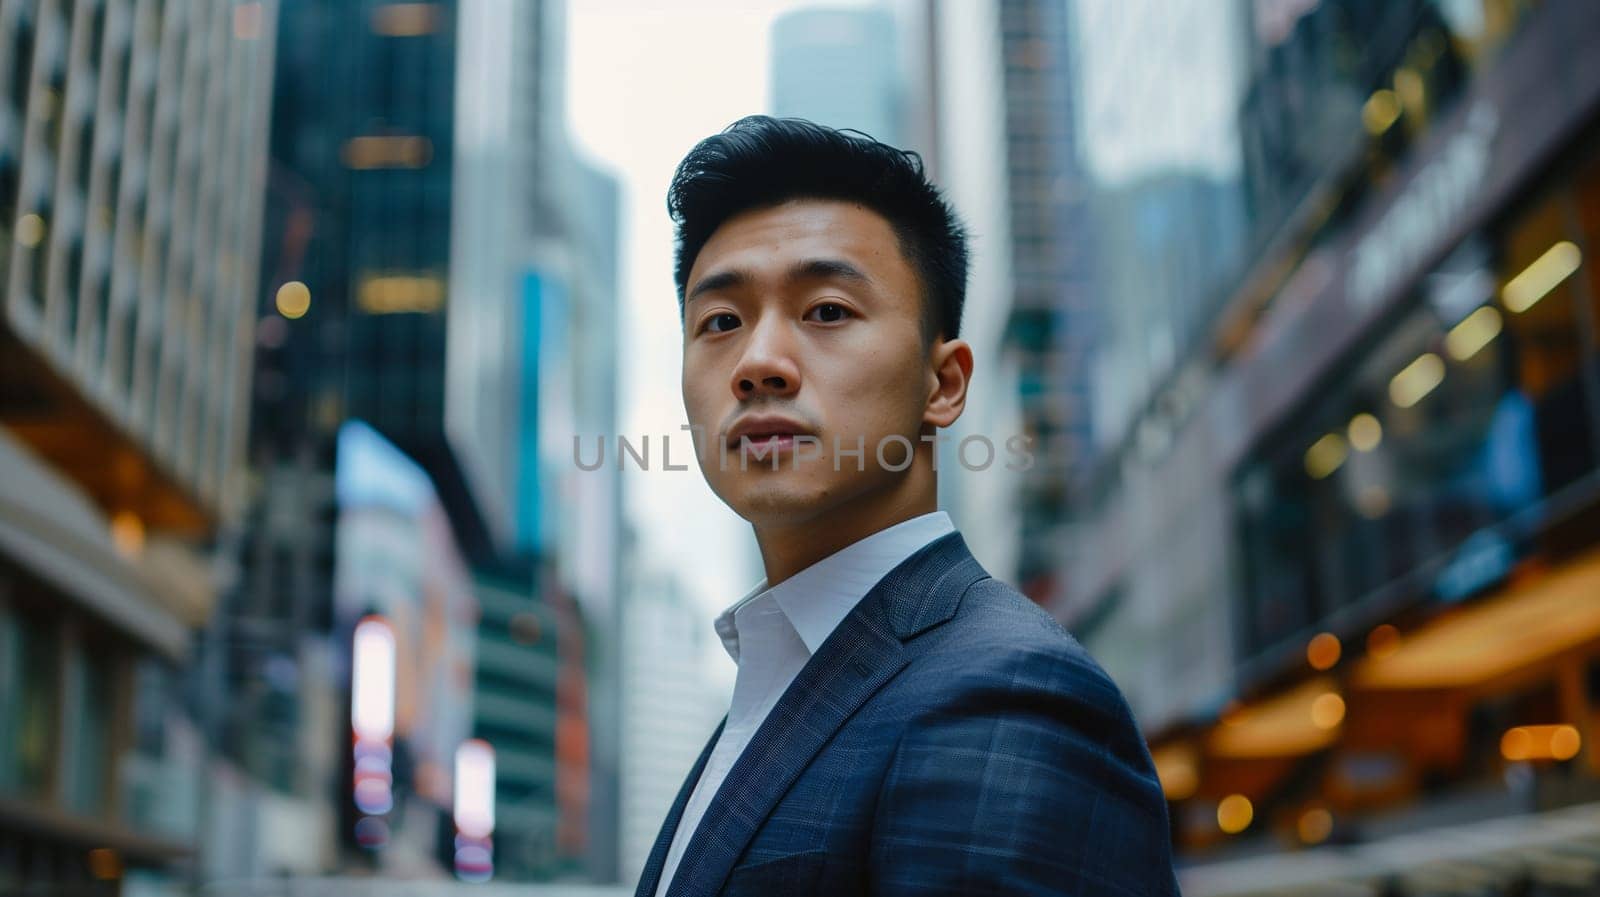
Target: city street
358,532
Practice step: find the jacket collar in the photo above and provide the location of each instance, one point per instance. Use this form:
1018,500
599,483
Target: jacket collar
817,598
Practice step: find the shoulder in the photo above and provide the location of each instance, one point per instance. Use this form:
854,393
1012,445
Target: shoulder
997,630
1014,745
992,609
1001,649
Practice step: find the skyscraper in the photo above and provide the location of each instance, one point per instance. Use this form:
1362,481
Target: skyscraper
454,253
132,164
1051,325
352,326
841,67
530,643
533,356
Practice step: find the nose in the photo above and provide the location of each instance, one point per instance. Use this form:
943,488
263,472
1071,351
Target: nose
767,366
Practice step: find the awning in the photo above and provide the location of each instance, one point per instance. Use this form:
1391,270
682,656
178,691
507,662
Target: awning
1477,645
48,529
1289,724
1178,767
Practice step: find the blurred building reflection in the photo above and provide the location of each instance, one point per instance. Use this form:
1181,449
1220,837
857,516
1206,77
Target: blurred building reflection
132,161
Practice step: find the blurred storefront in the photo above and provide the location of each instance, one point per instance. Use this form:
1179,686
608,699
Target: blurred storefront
130,201
100,764
1377,460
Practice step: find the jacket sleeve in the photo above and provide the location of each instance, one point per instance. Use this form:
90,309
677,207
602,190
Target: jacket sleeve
1029,778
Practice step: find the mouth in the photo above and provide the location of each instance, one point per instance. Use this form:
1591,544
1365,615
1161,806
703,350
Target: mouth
760,437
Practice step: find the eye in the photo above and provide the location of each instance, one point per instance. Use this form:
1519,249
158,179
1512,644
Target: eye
830,312
726,320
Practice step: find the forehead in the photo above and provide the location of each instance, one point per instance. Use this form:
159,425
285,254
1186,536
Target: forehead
767,241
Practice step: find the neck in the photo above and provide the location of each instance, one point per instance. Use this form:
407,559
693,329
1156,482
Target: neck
788,548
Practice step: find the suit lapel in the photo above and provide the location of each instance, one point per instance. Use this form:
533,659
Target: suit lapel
650,878
862,654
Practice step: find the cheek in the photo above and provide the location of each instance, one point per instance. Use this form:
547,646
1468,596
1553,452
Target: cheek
696,396
881,395
693,405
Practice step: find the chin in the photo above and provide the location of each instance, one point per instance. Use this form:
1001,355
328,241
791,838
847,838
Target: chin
775,502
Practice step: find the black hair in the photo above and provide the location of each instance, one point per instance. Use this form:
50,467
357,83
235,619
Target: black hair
759,161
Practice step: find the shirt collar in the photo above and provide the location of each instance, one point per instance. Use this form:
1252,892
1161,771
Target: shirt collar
818,598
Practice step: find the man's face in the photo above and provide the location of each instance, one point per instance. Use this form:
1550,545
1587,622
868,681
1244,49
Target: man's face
806,314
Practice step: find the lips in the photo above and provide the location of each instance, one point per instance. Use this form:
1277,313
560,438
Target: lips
761,446
767,432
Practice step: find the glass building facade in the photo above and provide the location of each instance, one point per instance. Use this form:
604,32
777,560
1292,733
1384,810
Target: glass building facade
1471,420
1343,559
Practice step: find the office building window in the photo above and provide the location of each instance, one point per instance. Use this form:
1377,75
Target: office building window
28,716
1476,409
91,703
10,693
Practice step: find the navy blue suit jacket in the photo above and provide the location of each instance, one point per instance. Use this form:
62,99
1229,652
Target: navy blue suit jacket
949,737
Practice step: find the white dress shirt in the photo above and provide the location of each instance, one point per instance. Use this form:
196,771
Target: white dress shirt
772,632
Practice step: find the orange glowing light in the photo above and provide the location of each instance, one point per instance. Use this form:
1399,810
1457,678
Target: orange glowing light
1383,640
127,534
1177,767
1323,651
1234,814
1327,711
1315,825
1555,742
1565,743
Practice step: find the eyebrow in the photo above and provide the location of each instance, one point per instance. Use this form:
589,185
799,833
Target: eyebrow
810,269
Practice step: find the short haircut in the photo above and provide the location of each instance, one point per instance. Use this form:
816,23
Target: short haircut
759,162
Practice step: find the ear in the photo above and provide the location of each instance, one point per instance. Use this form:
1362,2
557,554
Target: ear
949,374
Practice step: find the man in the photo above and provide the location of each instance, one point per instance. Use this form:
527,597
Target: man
902,723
